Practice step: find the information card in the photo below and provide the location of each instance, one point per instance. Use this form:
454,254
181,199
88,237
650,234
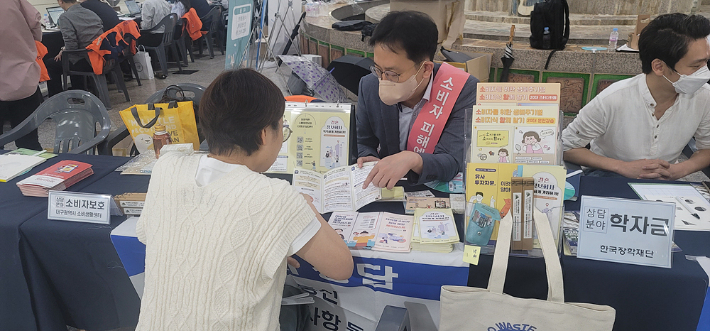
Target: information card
626,231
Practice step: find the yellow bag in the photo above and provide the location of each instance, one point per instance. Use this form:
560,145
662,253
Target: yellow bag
178,118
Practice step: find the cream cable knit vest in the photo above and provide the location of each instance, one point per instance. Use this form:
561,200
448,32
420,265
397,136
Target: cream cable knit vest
215,255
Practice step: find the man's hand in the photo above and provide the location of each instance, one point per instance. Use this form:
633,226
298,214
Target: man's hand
59,56
673,172
365,159
388,171
647,169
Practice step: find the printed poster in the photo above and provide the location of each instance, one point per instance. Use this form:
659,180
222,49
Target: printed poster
515,134
520,94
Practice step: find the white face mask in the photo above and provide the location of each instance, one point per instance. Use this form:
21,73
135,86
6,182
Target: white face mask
688,84
392,93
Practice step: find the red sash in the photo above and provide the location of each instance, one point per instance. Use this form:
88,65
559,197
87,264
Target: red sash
430,122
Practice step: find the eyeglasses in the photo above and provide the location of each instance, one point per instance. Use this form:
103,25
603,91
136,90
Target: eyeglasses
287,133
389,75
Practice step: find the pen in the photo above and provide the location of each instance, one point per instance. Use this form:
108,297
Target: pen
688,208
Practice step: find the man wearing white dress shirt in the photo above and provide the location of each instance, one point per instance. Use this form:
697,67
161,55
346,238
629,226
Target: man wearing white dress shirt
638,127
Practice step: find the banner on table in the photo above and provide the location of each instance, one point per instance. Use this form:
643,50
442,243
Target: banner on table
380,279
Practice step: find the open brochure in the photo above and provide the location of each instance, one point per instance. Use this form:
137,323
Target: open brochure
377,231
339,189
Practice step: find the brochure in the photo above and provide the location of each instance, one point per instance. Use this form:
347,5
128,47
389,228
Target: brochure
339,189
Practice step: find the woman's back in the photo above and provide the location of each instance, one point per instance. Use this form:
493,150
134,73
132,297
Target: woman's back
215,255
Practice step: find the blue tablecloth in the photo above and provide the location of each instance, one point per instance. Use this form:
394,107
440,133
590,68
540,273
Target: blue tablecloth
22,279
645,298
62,272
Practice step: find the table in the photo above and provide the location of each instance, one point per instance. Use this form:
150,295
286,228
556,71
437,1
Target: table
677,294
69,272
645,298
56,273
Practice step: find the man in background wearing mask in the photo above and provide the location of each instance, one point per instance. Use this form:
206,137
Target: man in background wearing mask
638,127
410,114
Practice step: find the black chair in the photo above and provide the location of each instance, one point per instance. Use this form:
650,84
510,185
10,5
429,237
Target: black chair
184,40
215,14
167,24
127,56
111,66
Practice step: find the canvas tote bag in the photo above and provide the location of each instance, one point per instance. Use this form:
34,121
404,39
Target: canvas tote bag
476,309
178,118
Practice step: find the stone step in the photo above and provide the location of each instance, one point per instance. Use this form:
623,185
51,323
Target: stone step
574,19
597,35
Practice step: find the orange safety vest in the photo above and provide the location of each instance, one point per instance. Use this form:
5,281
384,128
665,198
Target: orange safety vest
98,49
194,24
41,52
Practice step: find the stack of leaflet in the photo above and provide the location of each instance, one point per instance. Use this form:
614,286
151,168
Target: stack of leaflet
14,165
377,231
434,230
55,178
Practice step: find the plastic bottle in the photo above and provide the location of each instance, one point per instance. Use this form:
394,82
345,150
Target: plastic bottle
160,139
546,39
613,39
45,20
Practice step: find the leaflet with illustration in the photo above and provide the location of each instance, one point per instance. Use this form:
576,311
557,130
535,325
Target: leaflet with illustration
435,226
319,138
339,189
395,234
378,231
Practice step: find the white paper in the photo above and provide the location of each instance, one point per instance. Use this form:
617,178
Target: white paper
337,195
15,165
684,220
309,183
362,197
704,263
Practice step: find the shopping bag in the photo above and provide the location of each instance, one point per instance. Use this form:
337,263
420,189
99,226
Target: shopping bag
470,308
143,65
178,118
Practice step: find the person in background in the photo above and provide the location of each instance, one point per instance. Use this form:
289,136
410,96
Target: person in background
218,233
152,12
108,16
180,7
638,127
109,19
402,93
19,91
79,27
202,8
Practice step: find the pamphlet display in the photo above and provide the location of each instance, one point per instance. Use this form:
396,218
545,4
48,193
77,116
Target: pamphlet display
319,140
490,184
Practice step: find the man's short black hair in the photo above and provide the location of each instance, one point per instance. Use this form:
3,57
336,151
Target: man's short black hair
236,107
411,31
667,38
